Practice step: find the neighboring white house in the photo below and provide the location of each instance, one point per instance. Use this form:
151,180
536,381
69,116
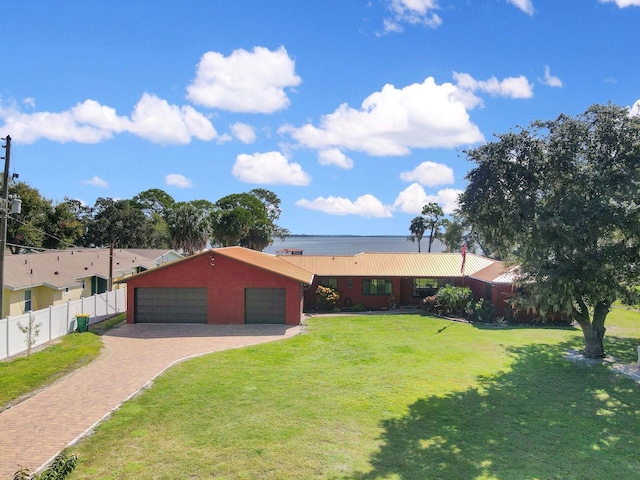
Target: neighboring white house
38,280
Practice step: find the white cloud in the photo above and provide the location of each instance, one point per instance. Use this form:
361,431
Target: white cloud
429,174
96,182
623,3
525,5
243,132
364,206
29,102
392,121
244,81
269,168
156,120
90,122
333,156
635,109
177,180
413,198
412,12
510,87
549,80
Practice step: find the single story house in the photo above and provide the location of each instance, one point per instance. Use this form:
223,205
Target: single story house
34,281
378,280
229,285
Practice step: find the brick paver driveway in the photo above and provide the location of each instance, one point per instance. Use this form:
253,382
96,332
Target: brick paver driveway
34,431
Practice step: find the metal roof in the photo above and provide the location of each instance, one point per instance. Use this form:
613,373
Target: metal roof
265,261
391,264
272,263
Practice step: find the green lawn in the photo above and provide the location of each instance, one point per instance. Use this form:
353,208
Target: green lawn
22,376
382,397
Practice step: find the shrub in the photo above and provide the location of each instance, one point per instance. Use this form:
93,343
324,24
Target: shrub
358,307
430,304
481,311
453,299
328,298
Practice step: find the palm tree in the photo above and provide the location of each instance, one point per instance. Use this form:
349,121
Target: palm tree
417,228
188,227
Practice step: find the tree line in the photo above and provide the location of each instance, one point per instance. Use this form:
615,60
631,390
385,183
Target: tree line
151,219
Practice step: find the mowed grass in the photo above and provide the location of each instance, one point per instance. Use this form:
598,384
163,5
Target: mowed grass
23,376
381,397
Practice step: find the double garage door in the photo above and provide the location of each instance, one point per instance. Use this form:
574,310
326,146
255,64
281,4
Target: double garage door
189,305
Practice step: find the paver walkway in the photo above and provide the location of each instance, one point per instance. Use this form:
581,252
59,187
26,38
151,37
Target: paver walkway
36,430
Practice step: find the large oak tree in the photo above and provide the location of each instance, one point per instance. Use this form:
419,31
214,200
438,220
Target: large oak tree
563,196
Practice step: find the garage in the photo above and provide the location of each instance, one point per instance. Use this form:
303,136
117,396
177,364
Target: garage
170,305
265,305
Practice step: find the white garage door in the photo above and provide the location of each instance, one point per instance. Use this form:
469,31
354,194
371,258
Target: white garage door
170,305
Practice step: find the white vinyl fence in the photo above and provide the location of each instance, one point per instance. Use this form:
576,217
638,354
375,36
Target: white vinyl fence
54,322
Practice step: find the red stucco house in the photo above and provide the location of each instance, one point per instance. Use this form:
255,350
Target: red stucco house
231,285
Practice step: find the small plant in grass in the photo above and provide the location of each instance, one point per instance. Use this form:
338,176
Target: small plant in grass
327,297
61,467
31,331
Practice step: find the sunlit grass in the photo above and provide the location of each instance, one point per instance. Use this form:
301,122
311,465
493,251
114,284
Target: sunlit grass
379,397
21,376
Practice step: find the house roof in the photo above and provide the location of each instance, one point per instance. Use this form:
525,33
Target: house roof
391,264
59,269
264,261
497,272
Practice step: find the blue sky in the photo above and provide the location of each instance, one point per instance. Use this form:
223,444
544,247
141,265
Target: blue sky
355,113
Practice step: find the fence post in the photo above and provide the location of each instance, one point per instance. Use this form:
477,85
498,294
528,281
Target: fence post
50,320
8,318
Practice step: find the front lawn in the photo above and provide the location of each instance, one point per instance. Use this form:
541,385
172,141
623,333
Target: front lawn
380,397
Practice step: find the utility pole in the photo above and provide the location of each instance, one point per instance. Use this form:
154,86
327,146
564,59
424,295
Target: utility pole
4,214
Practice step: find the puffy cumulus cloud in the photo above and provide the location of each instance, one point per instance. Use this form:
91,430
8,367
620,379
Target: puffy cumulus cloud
269,168
177,180
96,182
366,206
392,121
153,119
413,198
510,87
634,111
29,102
412,12
245,81
59,127
623,3
333,156
158,121
243,132
429,174
549,80
525,5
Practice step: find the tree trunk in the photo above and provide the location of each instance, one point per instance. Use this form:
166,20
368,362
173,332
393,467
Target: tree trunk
593,330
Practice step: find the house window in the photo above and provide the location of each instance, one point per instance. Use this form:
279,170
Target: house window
376,286
28,301
66,290
349,282
329,282
424,287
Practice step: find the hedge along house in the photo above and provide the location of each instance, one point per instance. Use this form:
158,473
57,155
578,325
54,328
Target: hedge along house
230,285
378,280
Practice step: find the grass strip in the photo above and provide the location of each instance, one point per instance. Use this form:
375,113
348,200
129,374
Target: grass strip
21,376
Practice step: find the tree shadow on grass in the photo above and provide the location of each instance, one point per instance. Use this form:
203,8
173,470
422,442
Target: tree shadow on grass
546,418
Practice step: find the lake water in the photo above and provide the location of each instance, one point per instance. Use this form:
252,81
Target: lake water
350,244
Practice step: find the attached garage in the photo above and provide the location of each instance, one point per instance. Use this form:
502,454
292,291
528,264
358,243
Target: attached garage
265,305
230,285
170,305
